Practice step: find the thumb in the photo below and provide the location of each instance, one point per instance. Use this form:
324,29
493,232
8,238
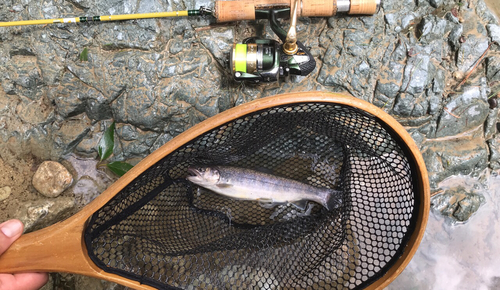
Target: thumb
10,231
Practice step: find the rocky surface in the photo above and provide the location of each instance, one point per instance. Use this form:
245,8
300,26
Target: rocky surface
457,203
158,77
35,215
155,78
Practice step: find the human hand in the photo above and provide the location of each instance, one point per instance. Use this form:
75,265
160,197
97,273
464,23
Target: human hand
10,231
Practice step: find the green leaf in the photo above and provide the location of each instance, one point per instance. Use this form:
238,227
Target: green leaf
84,55
107,143
119,168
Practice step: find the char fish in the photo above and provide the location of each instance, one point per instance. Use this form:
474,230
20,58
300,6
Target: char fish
269,190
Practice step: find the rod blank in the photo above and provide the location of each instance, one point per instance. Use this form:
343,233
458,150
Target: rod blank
102,18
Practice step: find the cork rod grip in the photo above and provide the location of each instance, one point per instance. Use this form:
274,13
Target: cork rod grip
234,10
364,7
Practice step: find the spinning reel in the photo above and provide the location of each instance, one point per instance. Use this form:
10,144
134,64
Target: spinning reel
267,60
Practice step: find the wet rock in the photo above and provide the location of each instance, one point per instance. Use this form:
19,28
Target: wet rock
68,133
26,77
5,192
463,112
432,28
129,36
219,42
419,72
75,97
438,83
493,69
458,203
40,214
73,281
51,179
391,19
436,3
458,156
407,21
135,142
494,147
494,32
35,112
455,35
491,123
470,51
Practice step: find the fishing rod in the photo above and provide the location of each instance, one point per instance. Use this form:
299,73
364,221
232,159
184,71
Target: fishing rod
200,12
254,60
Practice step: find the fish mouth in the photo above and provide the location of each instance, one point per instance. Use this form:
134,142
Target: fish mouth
194,175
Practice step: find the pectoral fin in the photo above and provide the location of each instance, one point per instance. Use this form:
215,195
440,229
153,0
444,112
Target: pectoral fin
267,202
300,204
224,185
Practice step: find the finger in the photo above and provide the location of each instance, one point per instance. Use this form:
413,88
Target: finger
10,231
23,281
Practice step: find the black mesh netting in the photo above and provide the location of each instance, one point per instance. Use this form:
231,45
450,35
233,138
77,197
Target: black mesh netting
165,232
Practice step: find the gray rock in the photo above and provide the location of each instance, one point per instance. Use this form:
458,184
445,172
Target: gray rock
391,19
418,74
438,83
52,178
493,69
470,51
494,32
388,89
434,103
404,104
436,3
219,42
457,203
494,147
455,35
458,156
68,133
40,214
491,124
484,13
26,76
135,142
463,112
407,21
432,28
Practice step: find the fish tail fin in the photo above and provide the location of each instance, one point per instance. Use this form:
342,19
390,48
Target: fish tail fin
333,199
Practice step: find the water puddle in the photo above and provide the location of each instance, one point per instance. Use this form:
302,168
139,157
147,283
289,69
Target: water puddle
89,181
459,255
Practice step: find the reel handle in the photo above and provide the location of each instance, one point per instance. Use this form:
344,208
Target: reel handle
290,46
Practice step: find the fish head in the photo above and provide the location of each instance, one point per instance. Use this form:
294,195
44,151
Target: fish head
203,176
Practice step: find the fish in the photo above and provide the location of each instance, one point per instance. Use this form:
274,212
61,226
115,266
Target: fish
269,190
